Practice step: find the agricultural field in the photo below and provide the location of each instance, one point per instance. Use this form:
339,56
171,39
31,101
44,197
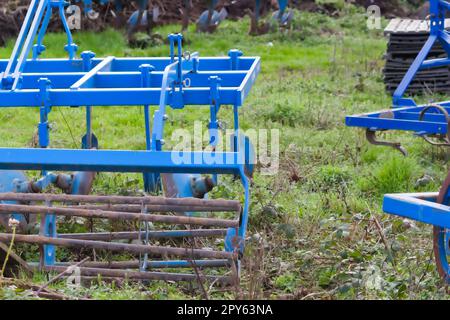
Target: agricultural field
316,228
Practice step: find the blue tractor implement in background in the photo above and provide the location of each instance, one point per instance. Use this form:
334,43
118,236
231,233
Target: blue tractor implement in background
139,19
185,177
210,19
281,18
429,121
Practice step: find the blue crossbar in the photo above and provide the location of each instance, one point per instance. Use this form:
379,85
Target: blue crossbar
405,119
121,161
418,206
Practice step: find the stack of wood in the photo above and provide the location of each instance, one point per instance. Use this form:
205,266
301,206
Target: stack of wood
406,38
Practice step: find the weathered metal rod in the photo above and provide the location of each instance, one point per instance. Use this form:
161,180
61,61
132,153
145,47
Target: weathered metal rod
125,274
133,235
113,215
134,264
223,205
150,208
119,247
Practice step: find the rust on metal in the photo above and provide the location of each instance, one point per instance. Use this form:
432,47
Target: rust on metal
135,264
139,275
120,247
134,235
113,215
213,205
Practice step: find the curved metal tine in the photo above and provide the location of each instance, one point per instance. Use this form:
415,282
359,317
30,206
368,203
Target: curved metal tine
437,144
427,138
372,138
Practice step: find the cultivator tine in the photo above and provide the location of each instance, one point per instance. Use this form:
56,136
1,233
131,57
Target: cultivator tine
371,136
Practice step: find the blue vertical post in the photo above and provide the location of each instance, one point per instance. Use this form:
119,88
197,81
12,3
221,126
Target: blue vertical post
49,221
213,125
49,231
282,4
179,40
236,128
87,57
234,55
150,179
214,109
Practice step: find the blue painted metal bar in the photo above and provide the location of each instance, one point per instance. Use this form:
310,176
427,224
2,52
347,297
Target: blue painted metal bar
38,48
11,63
131,64
22,59
434,63
420,207
410,74
120,161
400,121
87,81
104,80
248,82
117,97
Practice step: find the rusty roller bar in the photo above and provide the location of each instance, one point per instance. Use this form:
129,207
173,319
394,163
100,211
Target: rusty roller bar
113,215
209,205
133,235
137,275
150,208
119,247
134,264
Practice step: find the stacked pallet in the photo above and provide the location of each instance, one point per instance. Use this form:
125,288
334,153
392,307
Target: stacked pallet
406,38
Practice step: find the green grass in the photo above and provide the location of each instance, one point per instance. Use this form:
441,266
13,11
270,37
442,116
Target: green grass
312,233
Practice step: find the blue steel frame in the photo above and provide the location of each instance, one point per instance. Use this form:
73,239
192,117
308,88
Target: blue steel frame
423,120
418,206
180,80
405,113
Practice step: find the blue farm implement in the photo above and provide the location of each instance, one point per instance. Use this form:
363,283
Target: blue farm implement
210,19
429,121
280,19
182,79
